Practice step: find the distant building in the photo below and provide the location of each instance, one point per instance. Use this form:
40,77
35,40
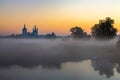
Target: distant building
24,30
26,34
35,32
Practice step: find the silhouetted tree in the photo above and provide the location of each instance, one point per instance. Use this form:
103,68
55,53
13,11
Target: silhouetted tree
77,32
104,30
52,35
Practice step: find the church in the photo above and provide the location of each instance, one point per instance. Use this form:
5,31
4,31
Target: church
27,34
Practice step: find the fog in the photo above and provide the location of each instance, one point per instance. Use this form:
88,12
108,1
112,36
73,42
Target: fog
52,53
42,59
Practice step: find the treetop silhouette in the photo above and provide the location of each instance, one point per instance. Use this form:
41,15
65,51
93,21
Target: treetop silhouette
104,29
78,32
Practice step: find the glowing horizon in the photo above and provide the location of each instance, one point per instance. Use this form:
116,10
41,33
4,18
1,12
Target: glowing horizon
55,15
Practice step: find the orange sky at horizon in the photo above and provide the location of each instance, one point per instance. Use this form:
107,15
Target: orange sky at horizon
58,26
55,15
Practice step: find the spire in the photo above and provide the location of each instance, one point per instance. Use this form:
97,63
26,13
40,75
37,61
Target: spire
35,26
24,25
24,30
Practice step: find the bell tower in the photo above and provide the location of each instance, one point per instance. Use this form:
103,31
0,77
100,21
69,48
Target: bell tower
24,30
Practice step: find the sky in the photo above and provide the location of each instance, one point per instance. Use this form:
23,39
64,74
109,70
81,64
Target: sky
55,15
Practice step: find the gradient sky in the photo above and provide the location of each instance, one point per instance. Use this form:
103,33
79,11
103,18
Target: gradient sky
55,15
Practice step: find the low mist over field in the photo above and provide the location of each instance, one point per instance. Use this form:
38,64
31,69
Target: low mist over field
33,52
37,59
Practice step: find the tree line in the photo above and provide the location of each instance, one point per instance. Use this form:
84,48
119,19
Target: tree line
103,30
